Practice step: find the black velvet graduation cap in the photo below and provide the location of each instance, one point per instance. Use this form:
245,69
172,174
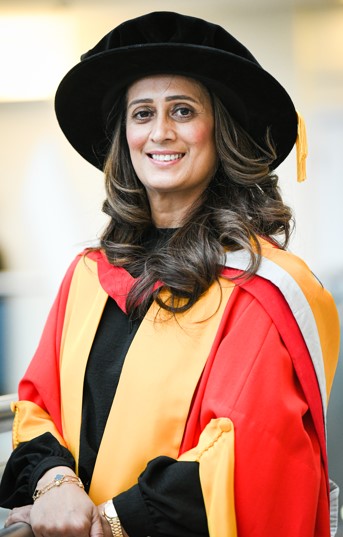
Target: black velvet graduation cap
171,43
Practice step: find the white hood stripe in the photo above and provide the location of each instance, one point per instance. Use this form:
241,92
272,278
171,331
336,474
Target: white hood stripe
297,303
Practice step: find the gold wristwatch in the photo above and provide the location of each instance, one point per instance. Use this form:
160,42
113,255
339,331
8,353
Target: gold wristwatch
112,518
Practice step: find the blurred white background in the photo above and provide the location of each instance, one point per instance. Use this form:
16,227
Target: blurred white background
50,199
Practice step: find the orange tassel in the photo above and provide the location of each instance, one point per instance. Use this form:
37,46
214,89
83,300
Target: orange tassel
301,149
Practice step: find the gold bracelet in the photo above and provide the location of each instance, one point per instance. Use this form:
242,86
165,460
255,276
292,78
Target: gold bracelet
58,480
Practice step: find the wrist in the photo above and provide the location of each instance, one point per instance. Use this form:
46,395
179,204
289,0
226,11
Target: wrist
110,514
57,481
52,472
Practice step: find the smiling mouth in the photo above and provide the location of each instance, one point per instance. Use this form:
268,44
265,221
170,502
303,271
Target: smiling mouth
165,157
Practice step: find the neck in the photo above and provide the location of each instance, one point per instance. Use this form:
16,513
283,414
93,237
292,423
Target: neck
169,211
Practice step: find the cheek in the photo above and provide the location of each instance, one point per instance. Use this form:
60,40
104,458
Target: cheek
202,137
135,138
206,150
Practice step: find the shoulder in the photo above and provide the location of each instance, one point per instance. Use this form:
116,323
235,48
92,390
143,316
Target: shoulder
89,261
277,265
285,265
82,268
310,303
89,267
290,274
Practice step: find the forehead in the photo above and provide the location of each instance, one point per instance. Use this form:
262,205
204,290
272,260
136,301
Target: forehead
162,86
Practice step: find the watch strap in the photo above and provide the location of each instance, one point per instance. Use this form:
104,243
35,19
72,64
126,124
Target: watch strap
112,518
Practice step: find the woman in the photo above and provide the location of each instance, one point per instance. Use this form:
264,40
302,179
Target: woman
180,384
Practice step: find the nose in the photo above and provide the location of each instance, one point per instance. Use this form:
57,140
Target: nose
162,129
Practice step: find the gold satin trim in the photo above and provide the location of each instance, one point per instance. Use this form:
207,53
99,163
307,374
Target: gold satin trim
30,421
160,374
215,453
86,301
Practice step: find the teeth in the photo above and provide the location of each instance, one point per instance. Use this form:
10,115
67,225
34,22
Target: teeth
165,158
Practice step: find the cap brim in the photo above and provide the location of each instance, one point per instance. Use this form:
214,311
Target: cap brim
252,96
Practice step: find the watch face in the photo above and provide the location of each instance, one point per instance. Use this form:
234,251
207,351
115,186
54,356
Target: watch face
109,509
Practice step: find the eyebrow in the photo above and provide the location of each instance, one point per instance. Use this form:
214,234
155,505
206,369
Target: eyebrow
167,99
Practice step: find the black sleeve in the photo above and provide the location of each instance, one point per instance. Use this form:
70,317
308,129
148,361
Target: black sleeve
27,464
167,501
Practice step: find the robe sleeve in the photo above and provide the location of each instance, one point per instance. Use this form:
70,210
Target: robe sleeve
215,454
167,500
27,463
260,463
37,431
39,407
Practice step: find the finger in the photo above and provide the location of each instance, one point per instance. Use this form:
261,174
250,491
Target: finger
96,527
13,519
21,514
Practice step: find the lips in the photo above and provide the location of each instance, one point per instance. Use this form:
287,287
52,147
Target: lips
165,157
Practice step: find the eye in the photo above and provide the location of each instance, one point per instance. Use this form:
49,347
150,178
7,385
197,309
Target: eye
142,115
183,112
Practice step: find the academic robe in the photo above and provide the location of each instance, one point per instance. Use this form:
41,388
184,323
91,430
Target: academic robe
238,383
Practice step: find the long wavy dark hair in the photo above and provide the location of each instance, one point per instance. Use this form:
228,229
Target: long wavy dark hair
241,203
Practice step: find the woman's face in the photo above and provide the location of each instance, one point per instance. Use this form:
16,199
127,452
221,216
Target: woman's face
170,134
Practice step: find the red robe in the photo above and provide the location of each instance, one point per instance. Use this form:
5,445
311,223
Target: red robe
251,412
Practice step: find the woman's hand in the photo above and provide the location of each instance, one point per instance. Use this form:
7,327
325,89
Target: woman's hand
64,510
19,514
